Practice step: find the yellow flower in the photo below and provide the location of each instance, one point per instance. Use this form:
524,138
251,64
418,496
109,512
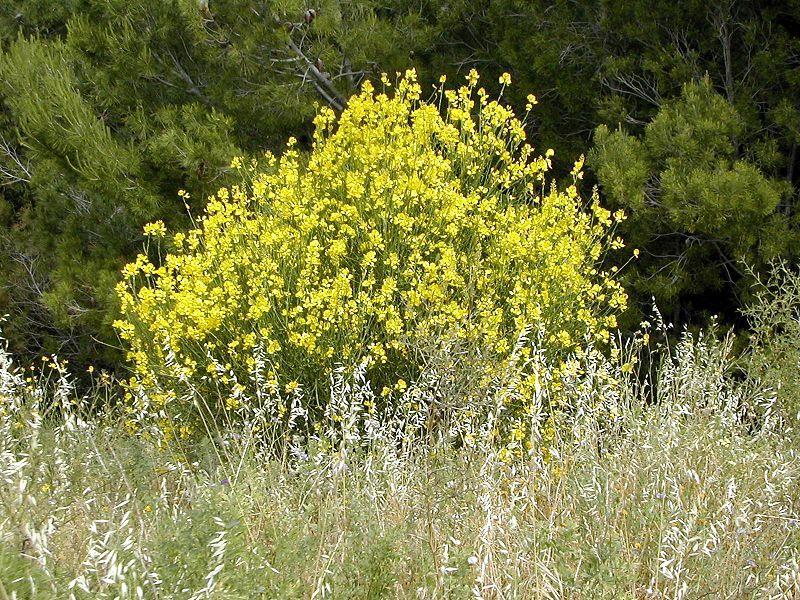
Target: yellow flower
404,223
505,79
155,229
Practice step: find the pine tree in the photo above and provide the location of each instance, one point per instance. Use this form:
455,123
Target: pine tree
700,210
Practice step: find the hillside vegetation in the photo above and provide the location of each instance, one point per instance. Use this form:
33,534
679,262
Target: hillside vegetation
687,113
322,301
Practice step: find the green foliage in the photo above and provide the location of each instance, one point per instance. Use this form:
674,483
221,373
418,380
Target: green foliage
697,208
83,191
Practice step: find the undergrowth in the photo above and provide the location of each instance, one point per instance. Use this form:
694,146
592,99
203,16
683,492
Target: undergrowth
687,487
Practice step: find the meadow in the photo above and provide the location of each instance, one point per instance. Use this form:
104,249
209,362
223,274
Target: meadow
691,490
388,364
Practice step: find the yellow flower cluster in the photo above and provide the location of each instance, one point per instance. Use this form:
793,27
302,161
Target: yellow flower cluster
408,220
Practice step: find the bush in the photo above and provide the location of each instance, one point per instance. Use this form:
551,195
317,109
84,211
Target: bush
404,224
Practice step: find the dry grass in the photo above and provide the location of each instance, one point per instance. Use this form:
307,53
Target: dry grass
692,491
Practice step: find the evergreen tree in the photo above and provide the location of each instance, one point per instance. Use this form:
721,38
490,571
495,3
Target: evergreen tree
698,208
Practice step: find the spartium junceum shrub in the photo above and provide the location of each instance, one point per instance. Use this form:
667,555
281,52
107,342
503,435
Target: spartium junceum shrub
408,221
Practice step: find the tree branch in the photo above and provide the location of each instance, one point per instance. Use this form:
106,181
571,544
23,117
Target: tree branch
322,80
15,172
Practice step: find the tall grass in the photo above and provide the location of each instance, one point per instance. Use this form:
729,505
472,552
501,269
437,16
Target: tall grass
691,491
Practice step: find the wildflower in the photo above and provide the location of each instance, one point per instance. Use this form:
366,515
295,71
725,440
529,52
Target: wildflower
155,229
403,223
505,79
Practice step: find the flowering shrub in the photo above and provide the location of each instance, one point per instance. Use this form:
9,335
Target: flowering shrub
408,221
